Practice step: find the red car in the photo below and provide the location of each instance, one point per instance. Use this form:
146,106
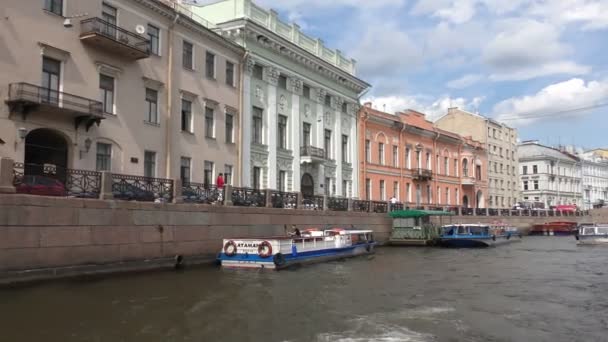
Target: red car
40,185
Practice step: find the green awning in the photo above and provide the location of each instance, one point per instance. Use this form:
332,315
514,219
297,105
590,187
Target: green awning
418,213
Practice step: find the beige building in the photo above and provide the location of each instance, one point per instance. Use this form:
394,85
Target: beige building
138,87
500,142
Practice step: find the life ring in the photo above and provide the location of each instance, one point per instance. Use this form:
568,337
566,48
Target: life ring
278,259
230,248
265,249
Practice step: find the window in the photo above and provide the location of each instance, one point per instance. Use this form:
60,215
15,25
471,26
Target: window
208,173
456,169
151,106
229,128
230,73
447,196
382,191
188,55
494,133
437,165
104,157
368,151
457,192
327,144
344,107
184,170
282,181
500,149
154,36
327,185
306,91
54,6
408,192
395,156
210,65
328,100
51,71
368,189
282,132
396,190
525,185
345,148
495,167
381,153
525,170
306,135
446,166
478,172
534,169
429,194
345,188
149,164
209,123
408,160
258,114
106,90
258,72
428,161
257,177
228,174
282,82
419,159
465,167
186,116
535,185
108,13
438,195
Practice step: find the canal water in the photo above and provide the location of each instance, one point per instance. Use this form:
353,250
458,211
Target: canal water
542,289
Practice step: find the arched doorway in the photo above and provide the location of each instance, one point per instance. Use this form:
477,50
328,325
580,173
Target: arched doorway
46,147
465,201
481,202
307,185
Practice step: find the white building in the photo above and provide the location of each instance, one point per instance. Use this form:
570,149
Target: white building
595,180
549,175
299,103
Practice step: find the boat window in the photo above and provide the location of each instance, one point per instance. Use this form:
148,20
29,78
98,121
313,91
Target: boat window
602,230
589,231
478,230
462,230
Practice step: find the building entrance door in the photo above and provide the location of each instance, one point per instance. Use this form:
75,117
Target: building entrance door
307,186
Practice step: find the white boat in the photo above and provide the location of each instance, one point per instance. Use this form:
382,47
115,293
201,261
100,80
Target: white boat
592,234
313,245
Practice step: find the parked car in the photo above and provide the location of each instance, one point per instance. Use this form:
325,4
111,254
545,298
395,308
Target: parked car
41,185
130,192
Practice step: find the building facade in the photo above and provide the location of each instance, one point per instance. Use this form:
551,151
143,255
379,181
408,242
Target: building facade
128,86
549,176
299,103
500,142
405,156
595,180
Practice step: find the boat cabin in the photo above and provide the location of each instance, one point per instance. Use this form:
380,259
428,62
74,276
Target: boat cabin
593,230
466,230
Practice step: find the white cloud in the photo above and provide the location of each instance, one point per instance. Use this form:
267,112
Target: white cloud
432,108
464,81
462,11
312,5
560,100
592,14
551,68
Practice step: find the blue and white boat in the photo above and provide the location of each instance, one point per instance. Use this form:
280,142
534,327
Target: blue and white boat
311,246
592,235
475,236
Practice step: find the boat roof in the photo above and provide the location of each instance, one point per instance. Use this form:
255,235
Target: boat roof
468,225
418,213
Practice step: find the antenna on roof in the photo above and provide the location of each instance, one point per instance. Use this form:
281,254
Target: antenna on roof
384,107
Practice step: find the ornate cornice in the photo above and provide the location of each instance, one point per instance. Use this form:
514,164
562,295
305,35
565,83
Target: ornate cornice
295,85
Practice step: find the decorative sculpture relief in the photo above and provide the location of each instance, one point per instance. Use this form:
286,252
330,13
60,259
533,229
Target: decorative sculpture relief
346,122
282,103
338,101
259,93
250,65
330,172
368,134
321,95
307,111
284,164
296,85
271,75
347,175
258,159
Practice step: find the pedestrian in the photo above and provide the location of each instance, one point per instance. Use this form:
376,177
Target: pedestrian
219,182
393,202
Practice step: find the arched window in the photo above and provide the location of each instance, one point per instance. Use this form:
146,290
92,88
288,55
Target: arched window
465,167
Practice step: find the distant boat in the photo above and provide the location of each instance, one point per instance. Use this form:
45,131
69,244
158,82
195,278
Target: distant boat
475,236
592,235
312,246
554,228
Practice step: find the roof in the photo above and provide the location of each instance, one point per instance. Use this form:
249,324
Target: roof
418,213
531,150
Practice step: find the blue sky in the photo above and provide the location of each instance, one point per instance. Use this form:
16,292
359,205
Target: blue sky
524,62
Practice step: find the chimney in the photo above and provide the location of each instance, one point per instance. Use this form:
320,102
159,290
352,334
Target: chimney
368,104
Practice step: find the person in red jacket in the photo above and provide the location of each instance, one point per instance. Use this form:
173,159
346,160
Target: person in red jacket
219,182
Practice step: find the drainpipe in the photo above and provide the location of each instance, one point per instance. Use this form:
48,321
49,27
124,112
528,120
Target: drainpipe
169,126
436,167
239,162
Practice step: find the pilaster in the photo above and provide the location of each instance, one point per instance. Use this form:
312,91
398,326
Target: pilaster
271,75
246,122
295,139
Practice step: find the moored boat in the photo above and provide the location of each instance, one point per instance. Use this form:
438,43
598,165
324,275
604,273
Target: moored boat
554,228
592,234
475,236
311,246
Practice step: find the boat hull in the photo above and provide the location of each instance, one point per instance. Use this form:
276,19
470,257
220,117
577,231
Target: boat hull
584,240
477,242
289,260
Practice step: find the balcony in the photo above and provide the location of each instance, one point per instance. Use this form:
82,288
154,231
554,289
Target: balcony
25,98
468,180
311,154
422,174
111,38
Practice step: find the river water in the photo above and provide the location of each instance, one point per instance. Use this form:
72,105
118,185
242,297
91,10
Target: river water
542,289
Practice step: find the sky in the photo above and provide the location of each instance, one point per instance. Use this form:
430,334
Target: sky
538,65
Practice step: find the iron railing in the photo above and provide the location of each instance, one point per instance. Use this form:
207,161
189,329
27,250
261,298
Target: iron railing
313,202
248,197
30,93
145,189
423,174
396,206
337,204
202,193
361,206
286,200
311,151
379,207
116,33
52,180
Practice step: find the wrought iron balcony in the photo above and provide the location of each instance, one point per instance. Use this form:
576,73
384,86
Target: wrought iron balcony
423,174
310,154
25,98
111,38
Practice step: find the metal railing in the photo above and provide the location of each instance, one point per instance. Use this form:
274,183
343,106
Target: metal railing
52,180
312,202
248,197
361,206
145,189
337,204
311,151
379,206
286,200
116,33
26,92
202,193
423,174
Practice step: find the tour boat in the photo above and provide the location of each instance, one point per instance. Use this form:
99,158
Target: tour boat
554,228
311,246
475,235
592,234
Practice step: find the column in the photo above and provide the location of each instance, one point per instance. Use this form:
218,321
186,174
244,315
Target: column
296,88
271,76
246,126
337,144
320,127
353,140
